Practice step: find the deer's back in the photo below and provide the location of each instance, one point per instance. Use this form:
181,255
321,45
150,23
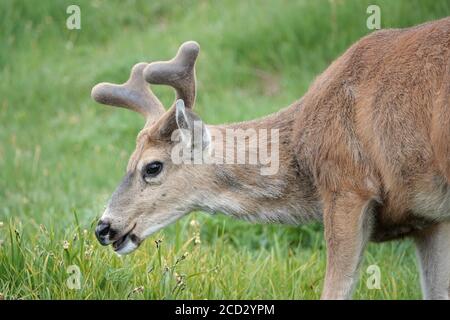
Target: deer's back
377,121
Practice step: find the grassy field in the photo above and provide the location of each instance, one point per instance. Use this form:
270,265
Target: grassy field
61,154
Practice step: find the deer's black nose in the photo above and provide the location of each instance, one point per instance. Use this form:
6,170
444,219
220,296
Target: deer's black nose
102,231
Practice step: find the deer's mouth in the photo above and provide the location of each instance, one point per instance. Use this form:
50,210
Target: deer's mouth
126,243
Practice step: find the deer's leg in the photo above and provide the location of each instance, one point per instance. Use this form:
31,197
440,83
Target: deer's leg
433,252
347,221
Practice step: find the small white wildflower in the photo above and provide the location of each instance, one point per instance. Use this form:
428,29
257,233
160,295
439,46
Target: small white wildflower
66,245
184,256
194,223
89,251
179,278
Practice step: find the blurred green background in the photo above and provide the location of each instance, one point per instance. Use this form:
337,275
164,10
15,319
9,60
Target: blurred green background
61,154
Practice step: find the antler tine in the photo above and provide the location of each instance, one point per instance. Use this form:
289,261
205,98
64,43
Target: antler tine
178,73
133,94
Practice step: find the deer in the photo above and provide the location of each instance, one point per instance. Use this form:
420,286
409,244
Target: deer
365,151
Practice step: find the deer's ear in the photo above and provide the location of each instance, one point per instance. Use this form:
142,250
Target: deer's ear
183,122
191,127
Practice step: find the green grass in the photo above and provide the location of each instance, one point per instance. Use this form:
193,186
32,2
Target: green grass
61,154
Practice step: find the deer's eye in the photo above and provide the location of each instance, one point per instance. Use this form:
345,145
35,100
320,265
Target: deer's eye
152,169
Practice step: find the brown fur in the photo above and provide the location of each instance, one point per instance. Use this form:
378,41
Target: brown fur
375,123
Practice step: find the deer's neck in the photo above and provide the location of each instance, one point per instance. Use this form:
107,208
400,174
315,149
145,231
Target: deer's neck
272,190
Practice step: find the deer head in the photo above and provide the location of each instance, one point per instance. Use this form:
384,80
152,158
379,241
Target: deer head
155,191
